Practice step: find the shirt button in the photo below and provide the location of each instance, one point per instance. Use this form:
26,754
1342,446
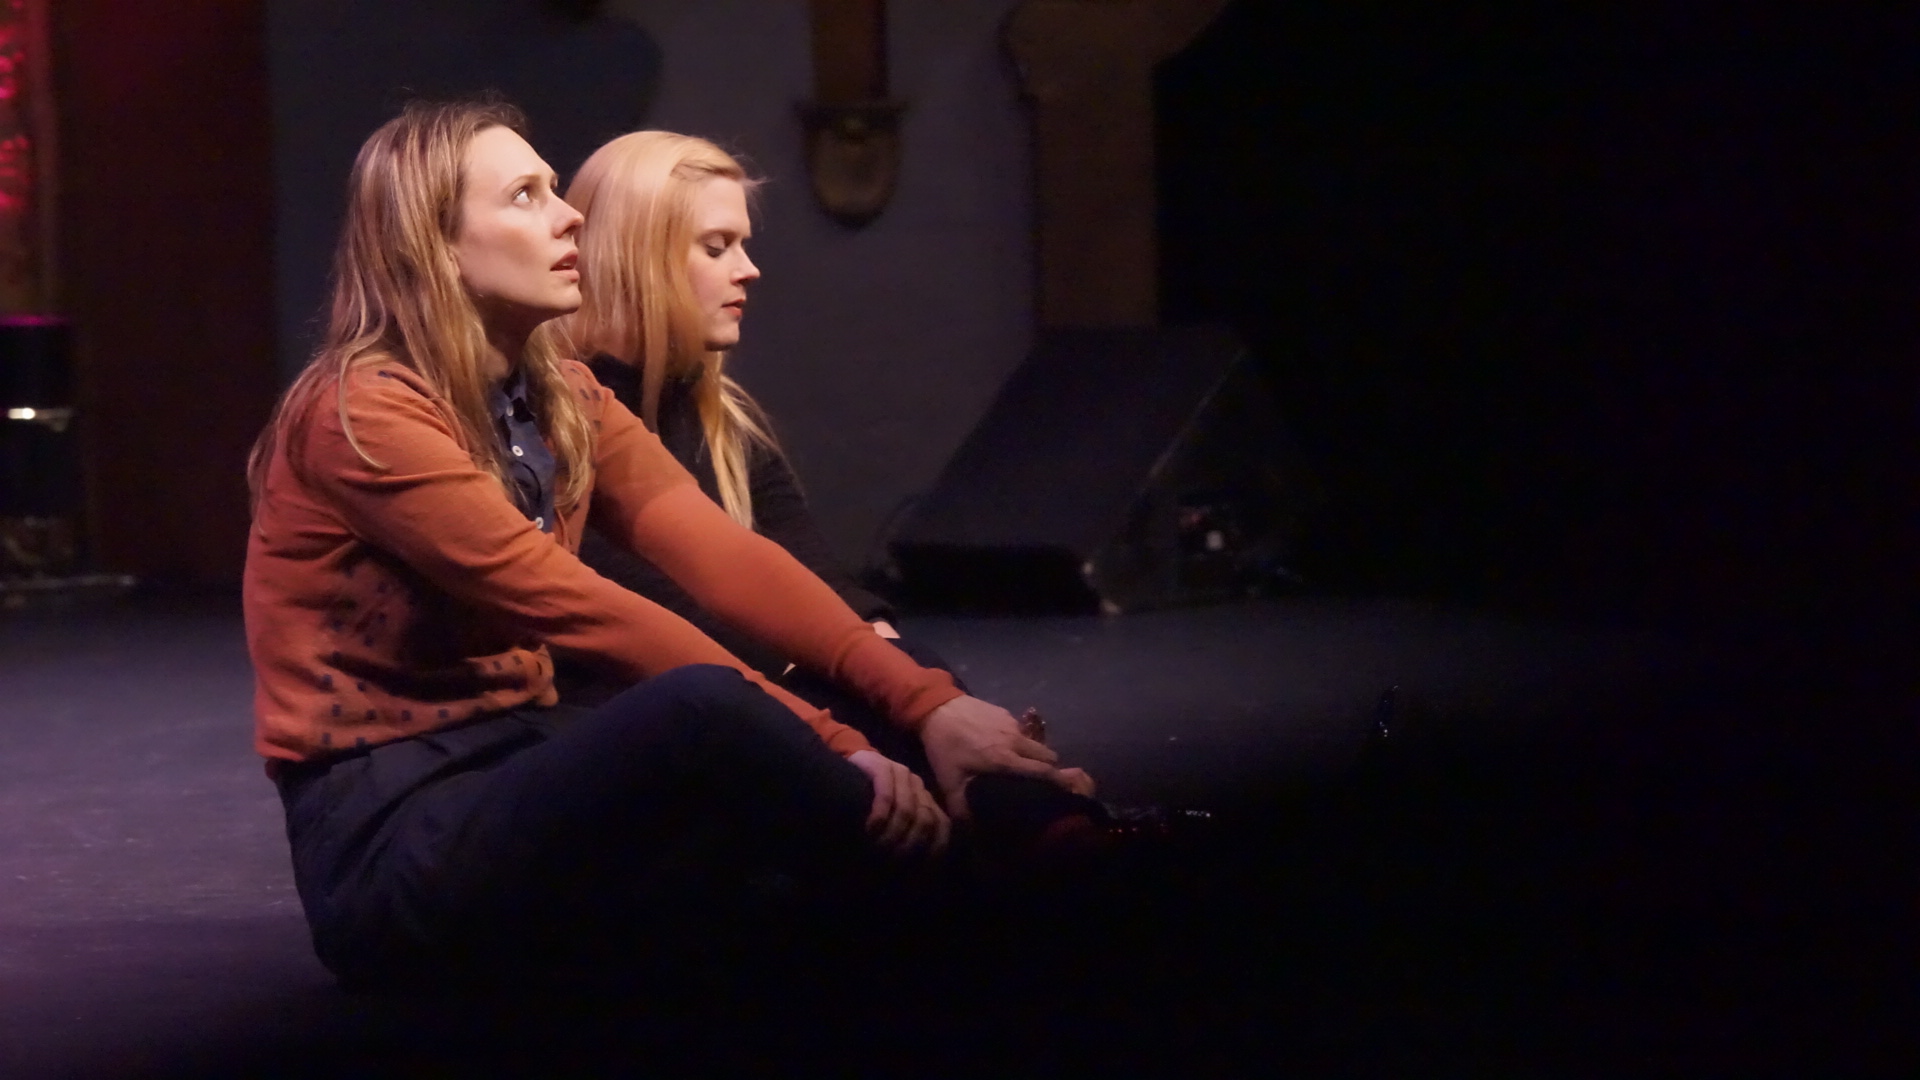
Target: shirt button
517,452
539,523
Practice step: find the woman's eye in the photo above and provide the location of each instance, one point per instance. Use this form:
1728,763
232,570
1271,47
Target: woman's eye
523,195
715,252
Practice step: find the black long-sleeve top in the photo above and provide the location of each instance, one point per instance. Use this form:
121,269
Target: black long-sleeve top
779,513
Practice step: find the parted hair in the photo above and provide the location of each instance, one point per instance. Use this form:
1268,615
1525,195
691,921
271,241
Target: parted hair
637,193
397,296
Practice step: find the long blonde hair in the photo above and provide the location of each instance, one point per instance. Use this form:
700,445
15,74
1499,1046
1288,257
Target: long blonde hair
397,296
637,193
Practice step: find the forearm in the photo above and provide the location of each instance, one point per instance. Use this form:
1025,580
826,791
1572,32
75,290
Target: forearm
756,585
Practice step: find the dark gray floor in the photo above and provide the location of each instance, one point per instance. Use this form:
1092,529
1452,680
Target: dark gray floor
1190,705
148,924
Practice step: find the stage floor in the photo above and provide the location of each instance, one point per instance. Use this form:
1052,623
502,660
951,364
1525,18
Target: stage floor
1593,847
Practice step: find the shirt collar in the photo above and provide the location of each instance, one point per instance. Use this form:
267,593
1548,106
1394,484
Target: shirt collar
510,397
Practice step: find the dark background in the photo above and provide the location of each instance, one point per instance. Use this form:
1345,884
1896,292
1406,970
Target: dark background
166,243
1585,308
343,67
1589,307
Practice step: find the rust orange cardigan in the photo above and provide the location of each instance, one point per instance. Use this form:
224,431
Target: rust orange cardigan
385,601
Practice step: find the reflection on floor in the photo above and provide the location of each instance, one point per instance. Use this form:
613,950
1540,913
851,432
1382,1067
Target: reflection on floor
1582,849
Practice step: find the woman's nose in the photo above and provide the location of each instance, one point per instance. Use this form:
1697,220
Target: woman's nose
568,220
748,271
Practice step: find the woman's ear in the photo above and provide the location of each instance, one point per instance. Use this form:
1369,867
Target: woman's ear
450,262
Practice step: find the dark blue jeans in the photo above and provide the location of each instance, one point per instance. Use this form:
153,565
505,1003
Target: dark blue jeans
549,838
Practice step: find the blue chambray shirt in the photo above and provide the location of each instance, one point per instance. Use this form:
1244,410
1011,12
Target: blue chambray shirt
530,464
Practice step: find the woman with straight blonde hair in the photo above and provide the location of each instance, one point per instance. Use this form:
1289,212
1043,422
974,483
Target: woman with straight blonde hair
665,274
649,309
419,496
664,289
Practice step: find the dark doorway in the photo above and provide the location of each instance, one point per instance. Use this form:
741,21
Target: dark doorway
1578,307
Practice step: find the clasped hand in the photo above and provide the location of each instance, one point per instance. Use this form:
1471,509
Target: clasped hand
905,819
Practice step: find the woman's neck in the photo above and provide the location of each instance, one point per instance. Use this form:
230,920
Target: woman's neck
502,355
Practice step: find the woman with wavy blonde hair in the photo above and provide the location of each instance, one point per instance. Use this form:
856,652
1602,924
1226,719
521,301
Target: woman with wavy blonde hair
419,498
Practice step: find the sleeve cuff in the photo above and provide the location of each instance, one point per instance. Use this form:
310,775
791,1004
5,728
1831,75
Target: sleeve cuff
890,679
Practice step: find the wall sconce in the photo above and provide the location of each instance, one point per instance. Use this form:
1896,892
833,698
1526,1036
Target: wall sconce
852,129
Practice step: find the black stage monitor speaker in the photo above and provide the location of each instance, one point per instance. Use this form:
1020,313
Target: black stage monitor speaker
1117,470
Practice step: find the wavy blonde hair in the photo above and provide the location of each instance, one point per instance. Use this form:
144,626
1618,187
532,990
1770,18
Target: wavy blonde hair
637,193
397,296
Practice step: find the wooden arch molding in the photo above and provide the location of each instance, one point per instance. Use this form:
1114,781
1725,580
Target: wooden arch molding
1087,67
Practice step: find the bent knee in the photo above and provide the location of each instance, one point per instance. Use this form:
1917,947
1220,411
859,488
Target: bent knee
713,705
698,683
706,695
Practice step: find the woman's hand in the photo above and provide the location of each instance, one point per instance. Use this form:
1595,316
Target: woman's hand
905,819
967,737
1076,781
